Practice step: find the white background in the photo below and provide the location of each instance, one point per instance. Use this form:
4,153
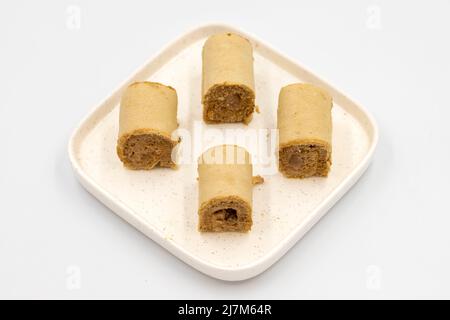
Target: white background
389,237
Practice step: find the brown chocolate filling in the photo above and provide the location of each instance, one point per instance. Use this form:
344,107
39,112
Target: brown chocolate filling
301,161
228,103
225,214
147,150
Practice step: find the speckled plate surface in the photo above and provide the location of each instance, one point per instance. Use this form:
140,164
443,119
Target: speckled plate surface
162,203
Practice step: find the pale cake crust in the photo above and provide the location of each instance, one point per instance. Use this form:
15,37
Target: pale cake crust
305,131
148,116
228,89
225,190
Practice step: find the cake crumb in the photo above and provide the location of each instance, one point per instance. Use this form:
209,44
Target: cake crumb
257,180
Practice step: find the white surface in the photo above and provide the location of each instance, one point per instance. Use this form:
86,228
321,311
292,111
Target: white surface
387,238
162,204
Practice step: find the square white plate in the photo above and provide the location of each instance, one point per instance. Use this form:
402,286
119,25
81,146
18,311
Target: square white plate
162,203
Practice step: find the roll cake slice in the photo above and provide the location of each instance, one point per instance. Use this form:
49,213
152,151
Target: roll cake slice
225,189
228,89
305,131
148,116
